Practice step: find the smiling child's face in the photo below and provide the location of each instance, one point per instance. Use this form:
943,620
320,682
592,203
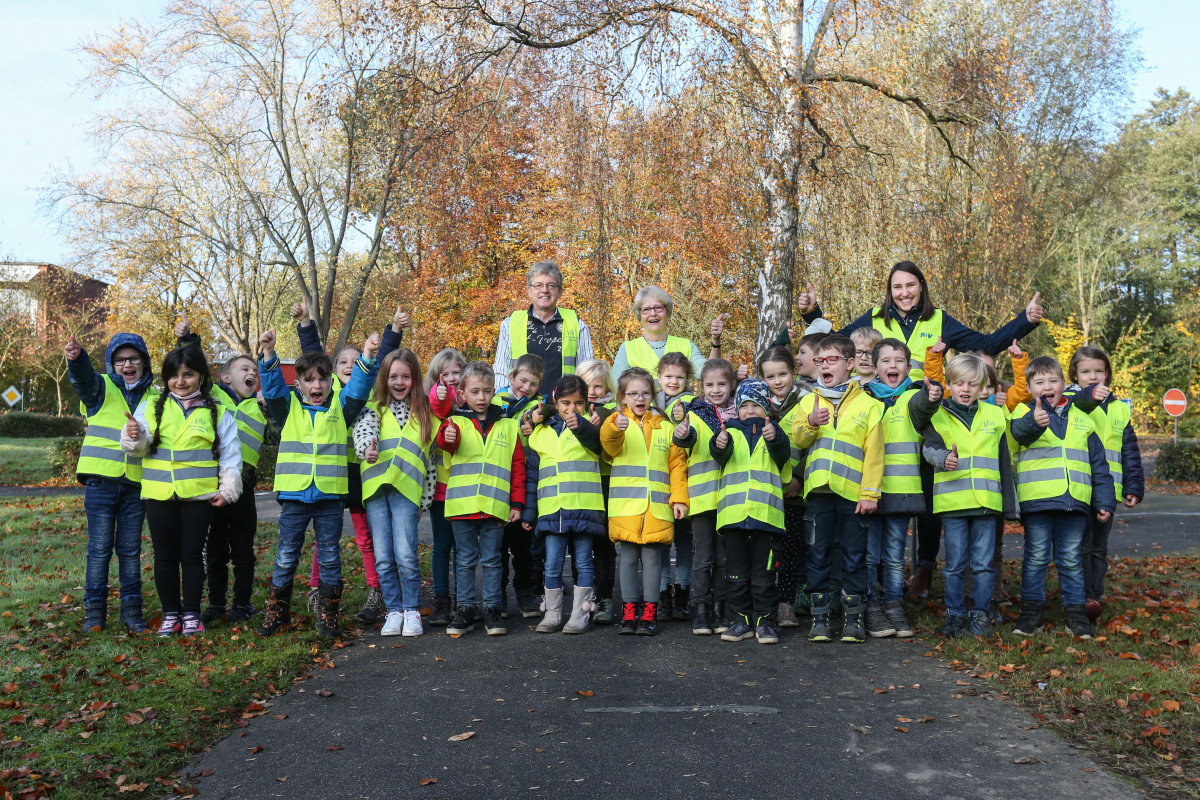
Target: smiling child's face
400,380
450,374
570,404
344,368
184,382
864,361
597,388
833,369
129,364
892,368
804,362
750,410
673,380
964,392
1090,371
241,375
638,394
523,384
716,387
779,378
1048,385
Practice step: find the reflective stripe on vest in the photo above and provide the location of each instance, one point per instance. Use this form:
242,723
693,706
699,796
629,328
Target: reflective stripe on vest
925,334
704,473
751,487
641,477
518,336
901,449
1052,467
403,458
1110,422
313,450
835,459
183,466
975,483
480,479
568,473
101,452
251,423
639,353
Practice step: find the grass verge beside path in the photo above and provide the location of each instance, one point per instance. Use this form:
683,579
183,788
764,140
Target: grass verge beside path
1131,696
109,714
25,462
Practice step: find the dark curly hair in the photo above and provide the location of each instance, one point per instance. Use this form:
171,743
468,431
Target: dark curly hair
192,357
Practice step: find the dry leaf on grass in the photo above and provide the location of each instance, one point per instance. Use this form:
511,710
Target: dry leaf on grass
461,737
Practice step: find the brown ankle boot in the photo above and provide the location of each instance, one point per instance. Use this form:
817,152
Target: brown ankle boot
918,590
331,600
278,613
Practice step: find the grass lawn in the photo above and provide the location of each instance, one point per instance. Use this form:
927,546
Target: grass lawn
108,714
1131,696
25,462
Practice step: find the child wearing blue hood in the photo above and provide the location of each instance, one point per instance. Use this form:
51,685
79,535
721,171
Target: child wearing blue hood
752,451
111,478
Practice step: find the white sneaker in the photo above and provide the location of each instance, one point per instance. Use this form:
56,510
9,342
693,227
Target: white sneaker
412,622
393,625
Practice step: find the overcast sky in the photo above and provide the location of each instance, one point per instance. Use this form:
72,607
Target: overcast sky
44,114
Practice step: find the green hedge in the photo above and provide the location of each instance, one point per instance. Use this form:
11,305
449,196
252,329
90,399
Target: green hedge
28,425
1178,461
64,455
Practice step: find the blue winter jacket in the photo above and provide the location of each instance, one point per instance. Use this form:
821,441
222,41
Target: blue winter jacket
1025,431
565,521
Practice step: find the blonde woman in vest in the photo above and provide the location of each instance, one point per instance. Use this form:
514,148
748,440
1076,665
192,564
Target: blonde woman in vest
111,478
646,494
393,436
1063,476
652,308
312,472
965,439
1091,371
191,466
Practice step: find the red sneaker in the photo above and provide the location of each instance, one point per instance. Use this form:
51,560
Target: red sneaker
1094,609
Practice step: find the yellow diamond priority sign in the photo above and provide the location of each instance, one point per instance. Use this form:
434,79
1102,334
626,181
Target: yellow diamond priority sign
11,396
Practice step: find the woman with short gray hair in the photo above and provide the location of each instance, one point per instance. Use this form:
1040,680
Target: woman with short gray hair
652,308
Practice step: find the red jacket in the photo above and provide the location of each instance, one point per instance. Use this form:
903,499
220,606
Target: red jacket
516,497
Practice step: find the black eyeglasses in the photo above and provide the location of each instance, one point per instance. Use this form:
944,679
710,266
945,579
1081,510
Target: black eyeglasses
132,361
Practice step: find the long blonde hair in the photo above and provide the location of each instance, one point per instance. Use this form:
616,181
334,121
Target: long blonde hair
438,364
381,395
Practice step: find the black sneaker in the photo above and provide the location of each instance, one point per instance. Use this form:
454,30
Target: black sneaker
441,609
738,631
647,624
603,614
1031,620
240,613
702,619
979,623
766,634
1078,622
895,614
463,622
879,624
953,627
493,622
212,615
529,605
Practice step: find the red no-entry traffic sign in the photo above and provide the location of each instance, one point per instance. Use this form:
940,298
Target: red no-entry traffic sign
1175,402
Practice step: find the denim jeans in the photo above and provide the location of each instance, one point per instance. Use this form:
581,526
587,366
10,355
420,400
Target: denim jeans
477,542
1062,532
581,559
684,556
827,517
969,540
326,518
885,544
393,521
115,515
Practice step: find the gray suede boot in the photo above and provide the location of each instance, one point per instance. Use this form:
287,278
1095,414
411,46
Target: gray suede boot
581,611
552,605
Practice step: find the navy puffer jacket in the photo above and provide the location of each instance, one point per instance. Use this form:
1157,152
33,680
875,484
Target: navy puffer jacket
564,522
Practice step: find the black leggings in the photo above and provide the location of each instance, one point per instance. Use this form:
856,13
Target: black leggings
231,538
793,553
178,530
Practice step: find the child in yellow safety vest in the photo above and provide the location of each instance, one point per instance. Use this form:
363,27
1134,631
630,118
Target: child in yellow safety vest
393,436
601,391
1090,372
705,420
191,466
312,472
111,478
967,444
564,501
647,493
675,377
485,490
441,381
839,425
753,452
1063,476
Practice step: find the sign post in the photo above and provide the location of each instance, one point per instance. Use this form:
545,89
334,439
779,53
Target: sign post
1175,402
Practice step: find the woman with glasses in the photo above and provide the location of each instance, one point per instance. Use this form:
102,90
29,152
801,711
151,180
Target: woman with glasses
652,308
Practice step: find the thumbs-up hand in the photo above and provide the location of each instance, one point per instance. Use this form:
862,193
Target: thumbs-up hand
951,460
451,434
1040,415
622,420
933,390
683,428
722,438
1034,311
133,431
372,452
595,417
718,326
1014,350
678,412
940,347
371,346
526,426
769,431
791,329
572,421
400,321
819,416
181,327
299,313
807,300
72,349
743,371
440,391
267,340
537,416
1101,392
